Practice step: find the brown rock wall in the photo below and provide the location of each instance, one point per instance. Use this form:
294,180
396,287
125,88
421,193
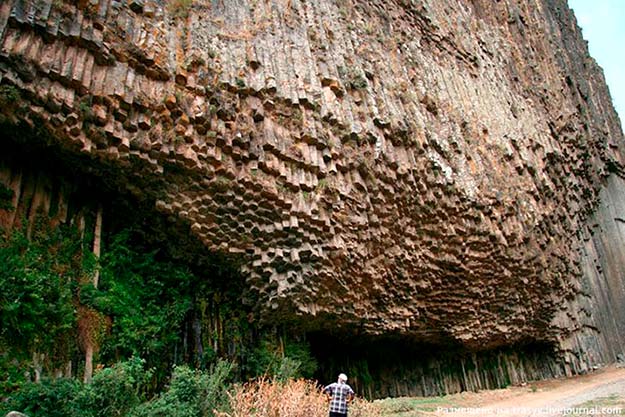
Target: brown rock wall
421,168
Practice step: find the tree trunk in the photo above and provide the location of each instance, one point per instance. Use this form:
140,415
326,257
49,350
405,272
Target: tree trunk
97,243
89,348
88,363
37,365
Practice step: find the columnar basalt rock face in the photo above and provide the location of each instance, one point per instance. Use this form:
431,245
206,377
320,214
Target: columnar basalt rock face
421,168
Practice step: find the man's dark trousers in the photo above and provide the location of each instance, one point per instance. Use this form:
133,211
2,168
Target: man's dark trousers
333,414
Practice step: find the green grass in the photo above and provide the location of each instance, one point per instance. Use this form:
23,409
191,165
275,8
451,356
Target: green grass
413,407
613,401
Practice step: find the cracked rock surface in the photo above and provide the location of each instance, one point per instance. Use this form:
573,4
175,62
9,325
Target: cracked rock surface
423,168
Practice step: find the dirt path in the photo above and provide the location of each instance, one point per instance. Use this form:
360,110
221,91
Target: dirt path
545,398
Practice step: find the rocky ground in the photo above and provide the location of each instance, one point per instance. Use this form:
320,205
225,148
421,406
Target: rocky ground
588,394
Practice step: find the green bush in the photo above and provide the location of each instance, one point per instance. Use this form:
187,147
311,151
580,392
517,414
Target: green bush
38,277
290,360
147,300
288,368
114,391
49,398
300,352
214,386
191,393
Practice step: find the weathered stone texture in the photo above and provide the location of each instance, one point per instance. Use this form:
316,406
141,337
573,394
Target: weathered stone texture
422,168
603,266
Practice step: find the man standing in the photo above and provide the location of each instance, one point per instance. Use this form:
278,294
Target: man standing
340,394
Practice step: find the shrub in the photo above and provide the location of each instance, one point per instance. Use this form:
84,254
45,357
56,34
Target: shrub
114,391
363,408
288,369
121,391
49,398
147,301
164,407
265,398
37,305
293,398
300,352
282,361
191,393
213,393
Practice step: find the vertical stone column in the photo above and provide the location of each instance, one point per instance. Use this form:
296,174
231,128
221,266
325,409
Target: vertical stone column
97,240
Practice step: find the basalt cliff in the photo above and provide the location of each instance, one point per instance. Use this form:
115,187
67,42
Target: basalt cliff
397,178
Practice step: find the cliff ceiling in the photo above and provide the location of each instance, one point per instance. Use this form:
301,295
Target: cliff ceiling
422,168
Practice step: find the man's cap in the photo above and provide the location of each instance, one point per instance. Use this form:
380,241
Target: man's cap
343,377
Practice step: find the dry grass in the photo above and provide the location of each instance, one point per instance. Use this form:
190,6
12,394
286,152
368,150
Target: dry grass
364,408
294,398
611,405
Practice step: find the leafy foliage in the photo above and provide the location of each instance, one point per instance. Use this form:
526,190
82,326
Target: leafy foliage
147,300
9,95
50,398
114,391
144,306
11,103
122,390
191,393
283,359
39,277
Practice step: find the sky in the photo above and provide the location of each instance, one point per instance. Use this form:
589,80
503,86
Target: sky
603,26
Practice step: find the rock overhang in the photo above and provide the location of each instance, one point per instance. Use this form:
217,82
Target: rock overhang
370,168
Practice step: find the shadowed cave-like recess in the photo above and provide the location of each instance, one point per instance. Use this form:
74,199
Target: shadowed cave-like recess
44,187
68,189
437,215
